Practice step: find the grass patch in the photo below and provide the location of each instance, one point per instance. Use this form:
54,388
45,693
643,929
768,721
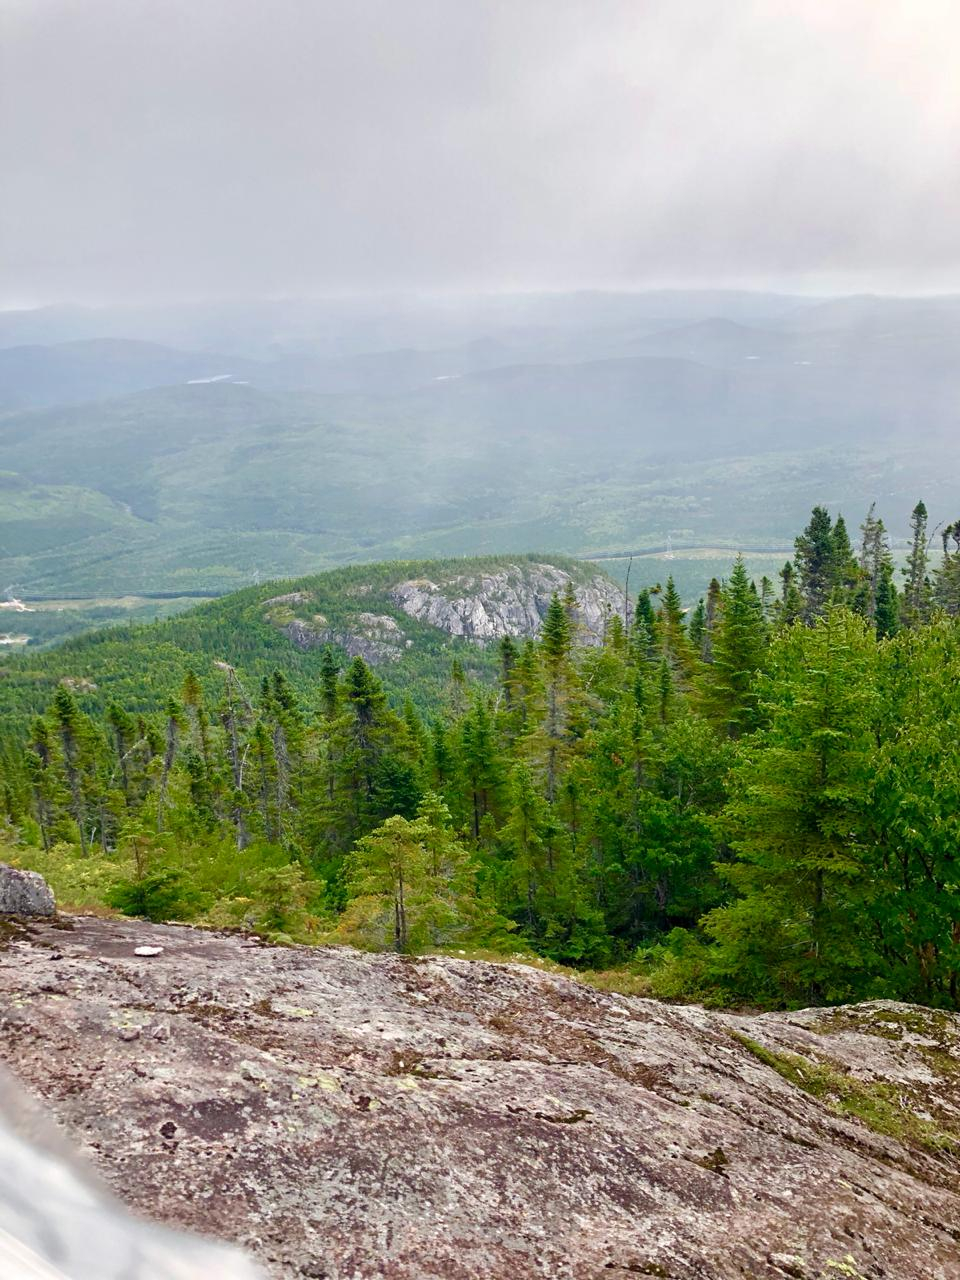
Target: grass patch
879,1106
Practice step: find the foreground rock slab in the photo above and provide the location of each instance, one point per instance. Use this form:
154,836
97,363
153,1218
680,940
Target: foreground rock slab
343,1115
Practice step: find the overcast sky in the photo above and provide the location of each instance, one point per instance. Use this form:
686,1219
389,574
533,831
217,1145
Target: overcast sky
154,149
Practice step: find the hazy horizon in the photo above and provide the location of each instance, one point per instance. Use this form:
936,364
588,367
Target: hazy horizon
439,295
227,151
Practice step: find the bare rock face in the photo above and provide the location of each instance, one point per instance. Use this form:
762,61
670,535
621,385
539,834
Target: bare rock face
349,1115
291,598
512,601
24,893
374,637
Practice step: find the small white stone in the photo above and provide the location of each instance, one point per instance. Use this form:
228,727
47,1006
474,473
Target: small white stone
147,951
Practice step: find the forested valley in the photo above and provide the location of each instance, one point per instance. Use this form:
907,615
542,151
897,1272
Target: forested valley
756,801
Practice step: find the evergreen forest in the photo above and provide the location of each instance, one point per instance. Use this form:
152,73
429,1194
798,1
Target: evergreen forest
752,802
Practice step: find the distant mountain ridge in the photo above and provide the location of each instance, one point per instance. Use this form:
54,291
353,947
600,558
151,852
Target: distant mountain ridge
309,435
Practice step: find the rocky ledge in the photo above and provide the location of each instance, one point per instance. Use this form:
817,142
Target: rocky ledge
374,637
350,1115
511,601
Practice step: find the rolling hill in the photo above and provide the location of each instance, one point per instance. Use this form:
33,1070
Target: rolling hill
409,619
593,424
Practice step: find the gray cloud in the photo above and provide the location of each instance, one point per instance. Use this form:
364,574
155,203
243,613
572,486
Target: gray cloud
178,148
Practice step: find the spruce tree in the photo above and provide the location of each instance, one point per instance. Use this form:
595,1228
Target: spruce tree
645,620
916,592
674,641
329,684
72,733
790,605
844,569
875,561
887,609
46,791
172,726
915,803
727,684
816,561
946,591
710,619
555,646
698,626
797,819
508,663
479,762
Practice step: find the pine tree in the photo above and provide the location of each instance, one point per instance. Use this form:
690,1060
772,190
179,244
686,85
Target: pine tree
265,770
441,758
123,729
410,882
375,789
539,859
234,712
288,741
571,609
555,634
204,784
